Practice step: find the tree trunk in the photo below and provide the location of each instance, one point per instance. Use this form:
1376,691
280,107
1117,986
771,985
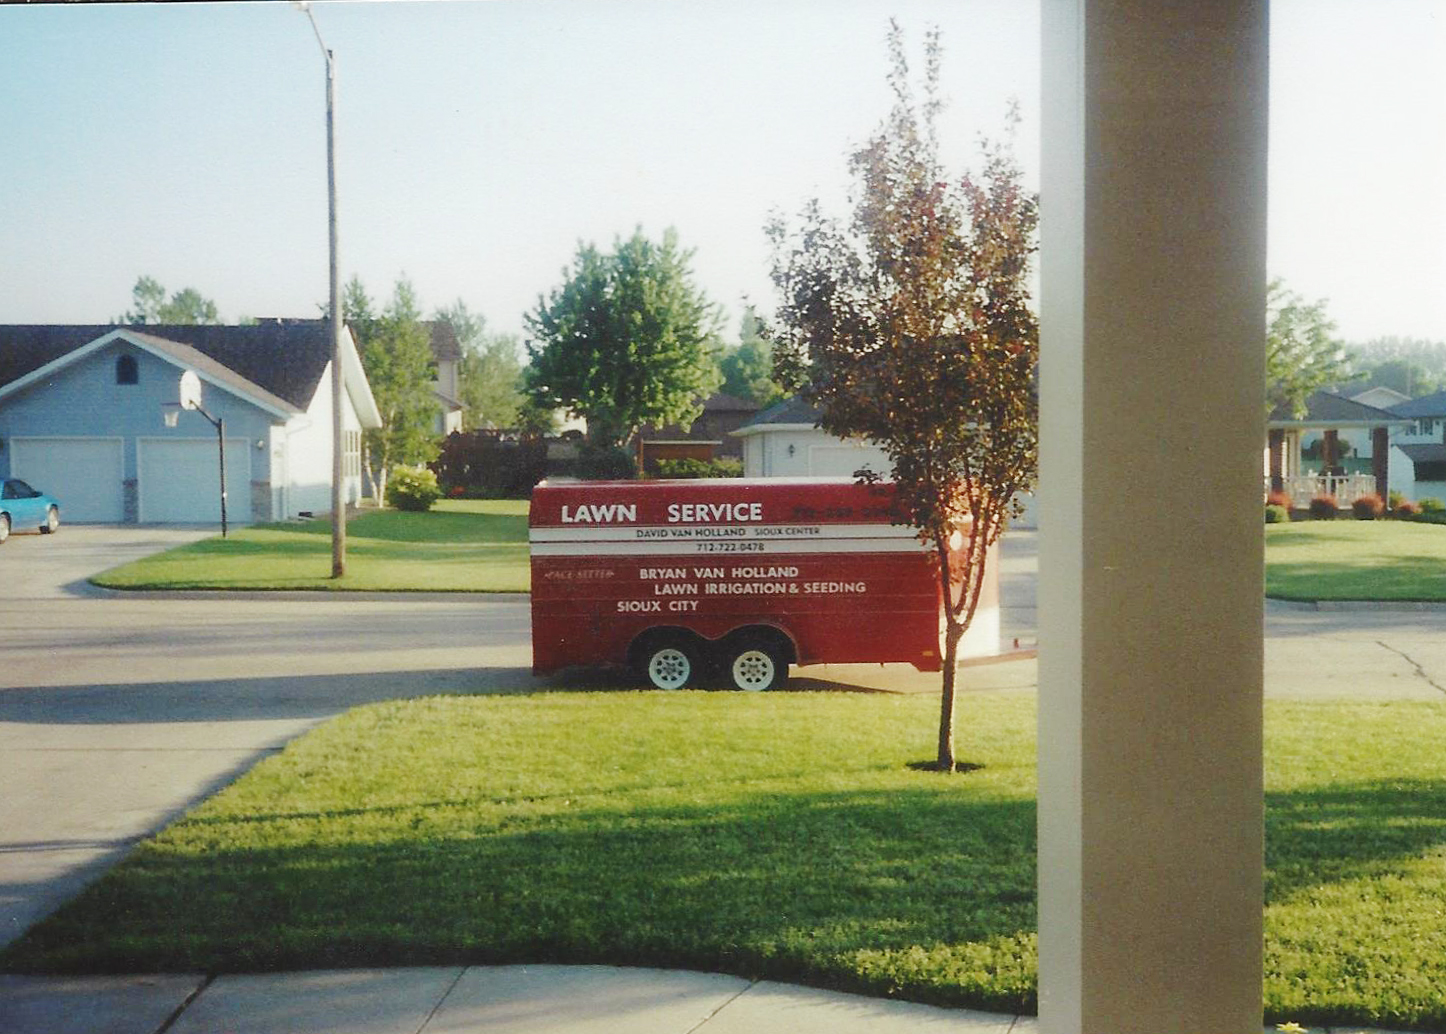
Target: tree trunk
952,634
368,473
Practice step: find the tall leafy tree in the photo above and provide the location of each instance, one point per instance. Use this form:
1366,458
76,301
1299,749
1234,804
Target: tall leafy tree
1302,353
396,353
911,327
747,367
490,372
626,340
150,306
1412,366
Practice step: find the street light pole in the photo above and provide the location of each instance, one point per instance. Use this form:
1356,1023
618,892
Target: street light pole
334,320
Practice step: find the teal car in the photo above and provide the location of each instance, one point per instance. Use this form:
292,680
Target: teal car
22,508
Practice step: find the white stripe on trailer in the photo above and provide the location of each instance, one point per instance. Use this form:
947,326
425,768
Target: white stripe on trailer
688,532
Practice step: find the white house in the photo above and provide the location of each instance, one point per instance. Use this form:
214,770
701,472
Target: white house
785,441
1422,444
81,418
447,377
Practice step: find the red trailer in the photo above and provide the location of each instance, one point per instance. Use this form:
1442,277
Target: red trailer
680,579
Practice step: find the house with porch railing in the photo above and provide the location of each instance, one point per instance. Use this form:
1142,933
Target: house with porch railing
1307,456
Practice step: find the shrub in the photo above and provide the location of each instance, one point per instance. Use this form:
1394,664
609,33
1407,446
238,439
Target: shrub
1431,504
1276,514
1394,500
490,464
412,488
1324,507
722,467
1368,507
1406,508
1278,499
605,464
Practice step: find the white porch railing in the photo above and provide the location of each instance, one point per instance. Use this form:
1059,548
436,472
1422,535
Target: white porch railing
1347,488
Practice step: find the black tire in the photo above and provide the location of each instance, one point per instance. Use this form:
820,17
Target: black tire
755,665
671,663
52,522
4,526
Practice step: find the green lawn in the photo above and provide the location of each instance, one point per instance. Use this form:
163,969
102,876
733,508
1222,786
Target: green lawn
776,835
1355,560
461,545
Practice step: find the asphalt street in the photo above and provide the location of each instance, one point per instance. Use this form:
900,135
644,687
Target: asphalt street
119,711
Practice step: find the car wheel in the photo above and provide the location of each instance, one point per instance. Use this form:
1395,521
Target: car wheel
671,664
52,521
4,526
757,666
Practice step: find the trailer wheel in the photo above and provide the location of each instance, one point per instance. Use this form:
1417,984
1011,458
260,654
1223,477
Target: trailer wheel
670,664
756,666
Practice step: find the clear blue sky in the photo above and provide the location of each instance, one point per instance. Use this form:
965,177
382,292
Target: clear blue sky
479,142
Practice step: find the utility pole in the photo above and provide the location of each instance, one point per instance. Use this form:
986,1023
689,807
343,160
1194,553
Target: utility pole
334,322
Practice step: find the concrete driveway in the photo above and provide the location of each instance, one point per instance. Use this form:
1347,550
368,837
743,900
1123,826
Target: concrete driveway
119,711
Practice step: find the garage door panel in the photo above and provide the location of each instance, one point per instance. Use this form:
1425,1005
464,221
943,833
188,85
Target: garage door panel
85,474
179,481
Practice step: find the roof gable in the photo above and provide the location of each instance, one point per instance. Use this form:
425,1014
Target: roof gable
284,358
272,361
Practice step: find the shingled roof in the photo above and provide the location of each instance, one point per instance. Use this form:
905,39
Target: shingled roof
1327,409
790,412
286,358
1425,406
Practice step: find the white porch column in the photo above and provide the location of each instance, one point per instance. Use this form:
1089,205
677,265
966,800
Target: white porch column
1152,405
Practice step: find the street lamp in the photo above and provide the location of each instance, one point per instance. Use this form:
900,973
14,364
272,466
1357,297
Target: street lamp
190,398
334,319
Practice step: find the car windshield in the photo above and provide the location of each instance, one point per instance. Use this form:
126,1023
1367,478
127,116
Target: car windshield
18,490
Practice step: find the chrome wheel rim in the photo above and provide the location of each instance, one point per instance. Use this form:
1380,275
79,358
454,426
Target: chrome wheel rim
669,668
753,670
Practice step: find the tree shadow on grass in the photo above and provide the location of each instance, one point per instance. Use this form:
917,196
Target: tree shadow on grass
1345,831
832,889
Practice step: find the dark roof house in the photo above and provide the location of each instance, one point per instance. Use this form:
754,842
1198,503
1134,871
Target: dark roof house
81,417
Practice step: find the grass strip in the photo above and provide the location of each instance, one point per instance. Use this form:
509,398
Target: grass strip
458,546
778,835
1356,560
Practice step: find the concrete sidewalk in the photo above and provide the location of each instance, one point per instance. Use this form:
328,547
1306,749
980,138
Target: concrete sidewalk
470,1000
476,1000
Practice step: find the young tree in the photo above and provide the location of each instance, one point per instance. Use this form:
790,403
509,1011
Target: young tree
187,306
912,328
627,340
747,367
1302,355
396,353
490,372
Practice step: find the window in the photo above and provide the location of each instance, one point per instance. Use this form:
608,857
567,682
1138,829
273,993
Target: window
351,454
126,370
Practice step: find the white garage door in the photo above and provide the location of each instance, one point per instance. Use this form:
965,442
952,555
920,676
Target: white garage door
180,481
843,460
85,474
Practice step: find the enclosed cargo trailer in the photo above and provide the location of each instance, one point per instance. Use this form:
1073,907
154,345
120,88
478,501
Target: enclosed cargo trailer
738,578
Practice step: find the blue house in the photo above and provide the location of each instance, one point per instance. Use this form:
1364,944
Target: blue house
82,419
